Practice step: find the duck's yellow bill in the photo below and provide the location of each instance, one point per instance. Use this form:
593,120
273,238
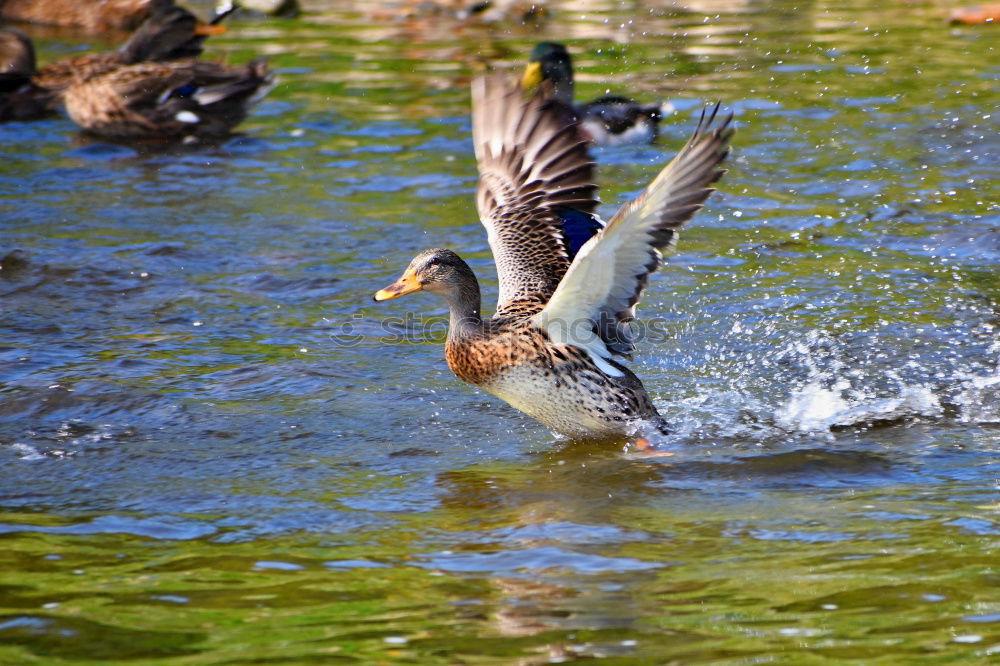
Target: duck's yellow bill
208,29
401,287
532,76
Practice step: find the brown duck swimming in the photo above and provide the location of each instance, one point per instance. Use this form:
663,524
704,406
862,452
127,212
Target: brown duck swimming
153,87
172,33
568,282
158,90
88,15
184,100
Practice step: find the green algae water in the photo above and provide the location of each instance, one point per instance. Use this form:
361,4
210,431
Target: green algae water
215,449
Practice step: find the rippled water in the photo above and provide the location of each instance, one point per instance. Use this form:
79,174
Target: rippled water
215,449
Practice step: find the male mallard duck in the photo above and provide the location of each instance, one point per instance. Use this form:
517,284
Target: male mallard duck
20,98
568,282
189,99
607,121
88,15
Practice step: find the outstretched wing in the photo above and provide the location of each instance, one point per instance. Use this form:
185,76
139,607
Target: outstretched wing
596,298
536,194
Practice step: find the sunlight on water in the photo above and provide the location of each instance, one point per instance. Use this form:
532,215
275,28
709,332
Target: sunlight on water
979,398
214,448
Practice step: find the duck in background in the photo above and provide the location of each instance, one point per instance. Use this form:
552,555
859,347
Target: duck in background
153,87
170,33
87,15
28,93
188,100
165,93
20,97
607,121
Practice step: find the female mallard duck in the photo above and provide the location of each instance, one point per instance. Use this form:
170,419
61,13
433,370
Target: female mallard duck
170,33
568,283
189,99
152,87
607,121
27,93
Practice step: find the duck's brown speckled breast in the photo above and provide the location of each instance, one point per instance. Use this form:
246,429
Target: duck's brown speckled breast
557,385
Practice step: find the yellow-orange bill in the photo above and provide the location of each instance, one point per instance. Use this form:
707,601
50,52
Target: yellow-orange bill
401,287
209,29
532,76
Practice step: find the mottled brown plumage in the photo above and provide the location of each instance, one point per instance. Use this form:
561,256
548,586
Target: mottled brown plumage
170,33
88,15
528,172
170,100
567,285
153,87
26,93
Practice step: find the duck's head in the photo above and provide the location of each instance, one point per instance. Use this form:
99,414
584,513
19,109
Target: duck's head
550,62
438,271
17,56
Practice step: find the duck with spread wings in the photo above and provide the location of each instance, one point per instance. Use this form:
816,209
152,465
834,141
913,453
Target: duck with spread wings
568,282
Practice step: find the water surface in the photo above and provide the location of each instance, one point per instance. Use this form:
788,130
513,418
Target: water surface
215,449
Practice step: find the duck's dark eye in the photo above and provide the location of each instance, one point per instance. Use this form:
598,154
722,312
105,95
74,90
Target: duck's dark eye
434,262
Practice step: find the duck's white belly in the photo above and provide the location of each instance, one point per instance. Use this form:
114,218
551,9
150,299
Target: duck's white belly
573,408
643,131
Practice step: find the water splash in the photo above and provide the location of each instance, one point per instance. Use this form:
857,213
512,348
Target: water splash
978,400
836,393
814,386
816,409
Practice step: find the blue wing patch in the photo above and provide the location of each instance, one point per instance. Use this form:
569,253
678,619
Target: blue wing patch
184,91
578,228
